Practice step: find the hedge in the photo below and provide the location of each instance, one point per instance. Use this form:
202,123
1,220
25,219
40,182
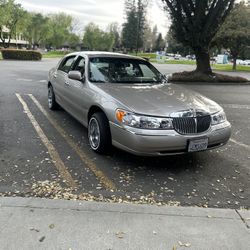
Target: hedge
15,54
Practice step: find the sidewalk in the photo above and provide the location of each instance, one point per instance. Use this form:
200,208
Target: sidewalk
54,224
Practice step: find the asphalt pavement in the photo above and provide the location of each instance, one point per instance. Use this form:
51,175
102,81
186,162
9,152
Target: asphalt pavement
45,154
218,178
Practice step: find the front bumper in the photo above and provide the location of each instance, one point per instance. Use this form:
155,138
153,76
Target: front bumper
164,142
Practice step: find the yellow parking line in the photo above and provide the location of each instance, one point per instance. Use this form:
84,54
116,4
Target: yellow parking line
64,173
240,144
104,180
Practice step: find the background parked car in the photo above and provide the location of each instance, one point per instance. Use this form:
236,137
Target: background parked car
239,62
246,62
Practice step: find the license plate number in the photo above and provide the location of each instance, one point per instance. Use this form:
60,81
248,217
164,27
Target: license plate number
198,145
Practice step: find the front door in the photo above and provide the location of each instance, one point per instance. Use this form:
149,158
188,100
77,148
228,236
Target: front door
61,81
79,93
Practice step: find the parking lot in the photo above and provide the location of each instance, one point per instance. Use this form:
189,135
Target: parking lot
45,153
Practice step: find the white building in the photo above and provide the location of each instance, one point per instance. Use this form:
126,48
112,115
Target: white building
16,40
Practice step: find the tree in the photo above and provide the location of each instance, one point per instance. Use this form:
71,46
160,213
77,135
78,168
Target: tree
175,47
195,23
148,38
154,34
11,15
38,29
113,28
73,40
159,43
129,27
96,39
133,28
245,53
61,27
234,34
141,12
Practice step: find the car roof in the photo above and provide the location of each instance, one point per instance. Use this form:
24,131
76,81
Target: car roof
104,54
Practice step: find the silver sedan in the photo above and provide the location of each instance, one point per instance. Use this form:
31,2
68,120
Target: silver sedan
126,102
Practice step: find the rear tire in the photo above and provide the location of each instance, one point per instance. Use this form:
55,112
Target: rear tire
99,133
53,105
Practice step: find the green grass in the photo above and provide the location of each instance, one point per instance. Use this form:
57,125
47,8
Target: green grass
228,67
187,62
55,54
148,55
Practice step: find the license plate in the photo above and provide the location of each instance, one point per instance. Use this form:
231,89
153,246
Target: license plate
197,145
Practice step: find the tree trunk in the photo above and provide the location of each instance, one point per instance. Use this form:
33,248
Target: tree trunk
234,63
235,53
6,45
203,61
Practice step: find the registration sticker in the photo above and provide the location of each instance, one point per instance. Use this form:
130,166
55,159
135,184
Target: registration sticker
197,145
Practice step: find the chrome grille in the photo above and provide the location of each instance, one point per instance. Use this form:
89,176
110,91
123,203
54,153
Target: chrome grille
191,125
203,123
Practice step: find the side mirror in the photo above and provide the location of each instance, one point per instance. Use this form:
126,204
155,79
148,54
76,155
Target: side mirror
75,75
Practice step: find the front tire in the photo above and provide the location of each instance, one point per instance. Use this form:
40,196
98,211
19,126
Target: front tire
52,99
99,133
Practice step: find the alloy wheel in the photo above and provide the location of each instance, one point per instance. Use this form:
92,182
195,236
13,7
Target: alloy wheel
94,133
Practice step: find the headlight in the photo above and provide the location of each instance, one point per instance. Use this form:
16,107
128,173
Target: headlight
143,122
218,118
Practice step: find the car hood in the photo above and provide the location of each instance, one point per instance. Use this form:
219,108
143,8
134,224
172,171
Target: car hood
159,99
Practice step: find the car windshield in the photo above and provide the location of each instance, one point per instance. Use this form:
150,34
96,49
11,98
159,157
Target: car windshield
123,70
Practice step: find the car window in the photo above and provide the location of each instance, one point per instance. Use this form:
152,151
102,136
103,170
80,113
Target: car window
80,65
146,71
122,70
66,64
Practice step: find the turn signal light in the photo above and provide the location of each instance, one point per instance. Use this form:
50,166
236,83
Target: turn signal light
120,114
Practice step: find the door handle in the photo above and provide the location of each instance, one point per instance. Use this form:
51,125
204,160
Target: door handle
55,75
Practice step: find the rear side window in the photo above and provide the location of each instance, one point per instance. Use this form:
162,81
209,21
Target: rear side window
66,64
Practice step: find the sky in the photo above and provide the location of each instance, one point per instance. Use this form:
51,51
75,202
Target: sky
101,12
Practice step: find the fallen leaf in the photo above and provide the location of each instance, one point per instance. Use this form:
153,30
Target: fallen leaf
120,235
184,244
34,229
42,239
